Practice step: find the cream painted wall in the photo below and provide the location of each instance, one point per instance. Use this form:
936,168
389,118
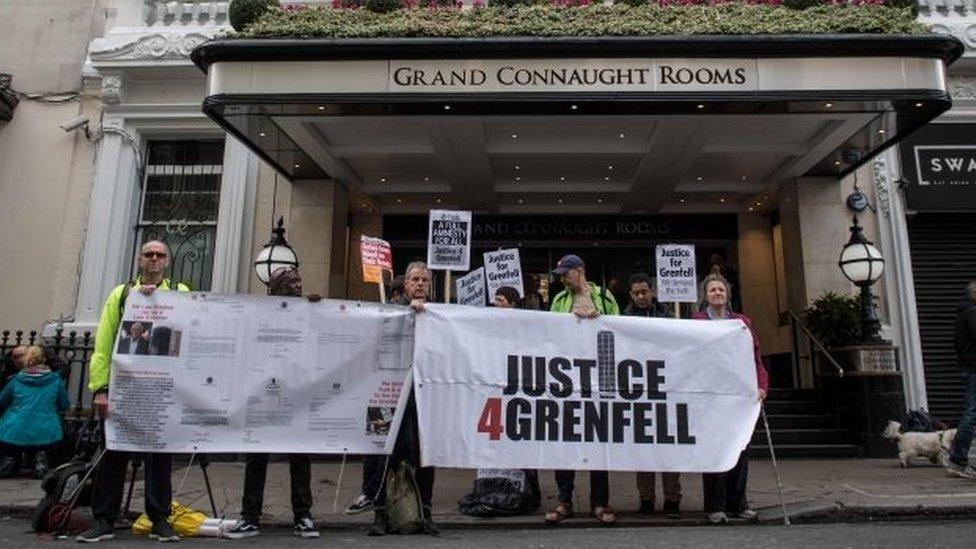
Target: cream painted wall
45,173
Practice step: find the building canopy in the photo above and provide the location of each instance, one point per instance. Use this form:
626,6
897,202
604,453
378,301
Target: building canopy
603,124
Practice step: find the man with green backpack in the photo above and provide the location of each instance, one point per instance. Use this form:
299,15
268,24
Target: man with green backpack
110,478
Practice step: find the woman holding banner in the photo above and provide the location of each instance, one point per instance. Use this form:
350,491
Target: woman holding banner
725,493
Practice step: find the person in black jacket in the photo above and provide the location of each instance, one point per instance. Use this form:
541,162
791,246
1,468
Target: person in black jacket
643,302
958,464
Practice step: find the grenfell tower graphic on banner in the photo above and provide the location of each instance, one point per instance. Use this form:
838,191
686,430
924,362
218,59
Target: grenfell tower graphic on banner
606,364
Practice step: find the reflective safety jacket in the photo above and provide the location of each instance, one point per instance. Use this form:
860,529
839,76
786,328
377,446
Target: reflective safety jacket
108,326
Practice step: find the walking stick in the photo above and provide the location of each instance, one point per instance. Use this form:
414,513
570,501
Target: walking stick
772,454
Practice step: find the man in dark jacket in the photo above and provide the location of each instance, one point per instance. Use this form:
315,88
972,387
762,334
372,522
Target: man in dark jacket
958,464
416,290
643,302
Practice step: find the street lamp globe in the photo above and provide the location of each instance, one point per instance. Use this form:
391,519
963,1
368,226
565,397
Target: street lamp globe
275,255
861,262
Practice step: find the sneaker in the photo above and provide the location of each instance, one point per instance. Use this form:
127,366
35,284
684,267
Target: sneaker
747,514
245,528
361,505
163,532
646,508
305,528
429,526
672,509
100,531
40,465
961,471
8,467
718,518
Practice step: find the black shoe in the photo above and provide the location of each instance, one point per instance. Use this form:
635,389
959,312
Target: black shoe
100,531
40,465
305,528
380,523
672,509
163,532
361,505
646,508
245,528
8,467
429,526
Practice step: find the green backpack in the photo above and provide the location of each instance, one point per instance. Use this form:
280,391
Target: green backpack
404,511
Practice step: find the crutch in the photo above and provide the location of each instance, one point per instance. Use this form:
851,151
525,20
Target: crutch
772,454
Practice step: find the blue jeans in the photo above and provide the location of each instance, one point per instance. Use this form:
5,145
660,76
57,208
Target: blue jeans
959,452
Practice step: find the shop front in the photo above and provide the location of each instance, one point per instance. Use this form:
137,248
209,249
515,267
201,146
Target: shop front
939,171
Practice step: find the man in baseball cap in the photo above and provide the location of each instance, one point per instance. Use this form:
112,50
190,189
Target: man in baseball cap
585,300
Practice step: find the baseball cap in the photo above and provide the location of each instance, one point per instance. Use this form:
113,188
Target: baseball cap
566,263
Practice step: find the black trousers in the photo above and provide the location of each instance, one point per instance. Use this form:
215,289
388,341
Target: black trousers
599,487
727,491
110,482
372,474
407,449
255,474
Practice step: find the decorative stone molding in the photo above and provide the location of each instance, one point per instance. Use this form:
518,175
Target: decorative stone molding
954,17
162,14
112,91
149,47
879,168
962,87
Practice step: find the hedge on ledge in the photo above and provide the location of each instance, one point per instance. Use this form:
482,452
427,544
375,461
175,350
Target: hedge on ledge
591,20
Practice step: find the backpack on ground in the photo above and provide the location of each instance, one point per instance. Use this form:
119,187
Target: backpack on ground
501,493
66,488
403,508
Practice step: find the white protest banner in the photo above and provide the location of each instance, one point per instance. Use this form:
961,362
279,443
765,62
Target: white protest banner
503,268
527,389
199,372
376,257
676,279
449,240
471,288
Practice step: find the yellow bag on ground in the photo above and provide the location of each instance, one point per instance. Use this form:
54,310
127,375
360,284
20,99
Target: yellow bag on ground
185,520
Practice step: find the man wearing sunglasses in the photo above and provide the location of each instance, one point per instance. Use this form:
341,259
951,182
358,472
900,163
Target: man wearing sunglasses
110,478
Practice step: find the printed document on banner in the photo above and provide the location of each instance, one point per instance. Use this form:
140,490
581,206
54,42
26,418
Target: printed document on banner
527,389
241,373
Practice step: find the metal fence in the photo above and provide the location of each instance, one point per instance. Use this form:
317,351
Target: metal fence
73,350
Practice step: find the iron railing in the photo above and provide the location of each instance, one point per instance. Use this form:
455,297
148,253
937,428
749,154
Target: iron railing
72,349
814,348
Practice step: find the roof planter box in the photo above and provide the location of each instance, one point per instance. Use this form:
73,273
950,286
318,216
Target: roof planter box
585,20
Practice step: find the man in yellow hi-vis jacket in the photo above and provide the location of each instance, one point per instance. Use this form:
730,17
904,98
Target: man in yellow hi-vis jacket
110,479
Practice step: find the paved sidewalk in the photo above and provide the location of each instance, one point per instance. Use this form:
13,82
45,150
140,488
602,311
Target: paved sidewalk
814,490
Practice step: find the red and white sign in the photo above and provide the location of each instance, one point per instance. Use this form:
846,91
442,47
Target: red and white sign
376,256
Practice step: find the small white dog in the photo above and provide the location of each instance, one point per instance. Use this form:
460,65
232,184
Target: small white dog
933,445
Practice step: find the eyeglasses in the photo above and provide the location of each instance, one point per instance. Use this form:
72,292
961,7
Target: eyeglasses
151,255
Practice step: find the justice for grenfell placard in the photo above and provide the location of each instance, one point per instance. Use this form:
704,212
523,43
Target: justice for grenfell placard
527,389
199,372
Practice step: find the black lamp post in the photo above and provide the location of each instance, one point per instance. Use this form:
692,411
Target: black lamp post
275,255
863,265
